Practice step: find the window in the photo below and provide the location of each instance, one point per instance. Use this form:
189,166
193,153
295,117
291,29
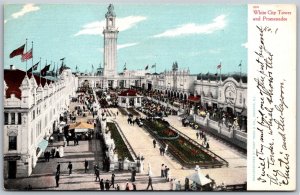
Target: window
33,114
241,97
5,118
13,118
12,144
19,119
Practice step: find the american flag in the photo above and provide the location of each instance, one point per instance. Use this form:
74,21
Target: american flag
27,55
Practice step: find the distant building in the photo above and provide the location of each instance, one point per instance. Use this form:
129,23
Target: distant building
32,106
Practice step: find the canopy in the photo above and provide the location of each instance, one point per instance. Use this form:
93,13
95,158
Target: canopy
194,98
43,145
199,178
81,125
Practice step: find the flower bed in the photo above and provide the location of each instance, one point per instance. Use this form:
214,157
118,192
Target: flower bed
161,129
186,152
121,147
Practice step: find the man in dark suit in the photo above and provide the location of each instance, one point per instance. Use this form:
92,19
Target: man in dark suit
57,179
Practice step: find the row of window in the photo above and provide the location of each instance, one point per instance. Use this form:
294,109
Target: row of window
12,118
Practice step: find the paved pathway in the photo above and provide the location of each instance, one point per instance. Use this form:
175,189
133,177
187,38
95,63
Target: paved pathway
141,142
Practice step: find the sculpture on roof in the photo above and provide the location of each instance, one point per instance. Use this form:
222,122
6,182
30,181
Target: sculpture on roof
110,11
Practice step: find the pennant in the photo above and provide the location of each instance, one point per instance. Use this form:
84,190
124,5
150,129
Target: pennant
17,52
153,66
45,70
63,58
146,68
26,56
34,67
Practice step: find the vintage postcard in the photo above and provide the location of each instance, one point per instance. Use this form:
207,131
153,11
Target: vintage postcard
137,97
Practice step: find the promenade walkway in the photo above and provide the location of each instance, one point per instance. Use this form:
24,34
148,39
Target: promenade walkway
141,142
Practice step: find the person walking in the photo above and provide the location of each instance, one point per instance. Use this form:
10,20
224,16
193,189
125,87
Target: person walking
86,164
58,168
154,143
127,187
197,135
133,187
166,171
133,174
107,185
70,167
149,183
97,173
101,185
162,170
112,180
57,175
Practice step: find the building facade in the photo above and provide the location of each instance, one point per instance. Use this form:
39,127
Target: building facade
32,106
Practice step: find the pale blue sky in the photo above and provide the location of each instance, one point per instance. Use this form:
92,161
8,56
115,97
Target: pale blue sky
196,36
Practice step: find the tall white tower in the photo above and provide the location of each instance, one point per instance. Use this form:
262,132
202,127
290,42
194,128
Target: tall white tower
110,44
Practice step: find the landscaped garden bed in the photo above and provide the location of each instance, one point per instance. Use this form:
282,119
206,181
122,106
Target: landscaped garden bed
184,150
121,147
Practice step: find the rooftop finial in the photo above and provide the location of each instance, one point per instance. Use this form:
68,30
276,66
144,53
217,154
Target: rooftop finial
110,11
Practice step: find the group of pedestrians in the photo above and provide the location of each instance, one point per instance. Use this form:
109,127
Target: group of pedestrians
165,172
163,150
57,174
107,184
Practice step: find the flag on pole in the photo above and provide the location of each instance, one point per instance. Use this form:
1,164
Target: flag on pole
63,58
26,56
146,68
219,66
240,63
153,66
62,67
45,70
17,52
124,67
33,68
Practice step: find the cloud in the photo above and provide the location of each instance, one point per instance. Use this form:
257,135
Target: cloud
218,23
245,45
126,45
122,24
26,9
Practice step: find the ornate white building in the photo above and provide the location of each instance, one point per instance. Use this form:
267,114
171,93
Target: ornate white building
32,106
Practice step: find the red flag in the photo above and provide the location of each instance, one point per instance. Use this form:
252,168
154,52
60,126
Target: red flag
27,55
219,66
17,52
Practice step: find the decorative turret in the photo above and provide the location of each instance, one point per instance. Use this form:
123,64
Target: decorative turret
26,96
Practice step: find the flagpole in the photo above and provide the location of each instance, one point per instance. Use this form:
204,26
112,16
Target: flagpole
220,72
155,67
26,52
40,71
31,58
240,70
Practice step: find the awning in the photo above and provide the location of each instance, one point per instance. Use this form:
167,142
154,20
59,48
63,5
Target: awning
194,98
43,145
